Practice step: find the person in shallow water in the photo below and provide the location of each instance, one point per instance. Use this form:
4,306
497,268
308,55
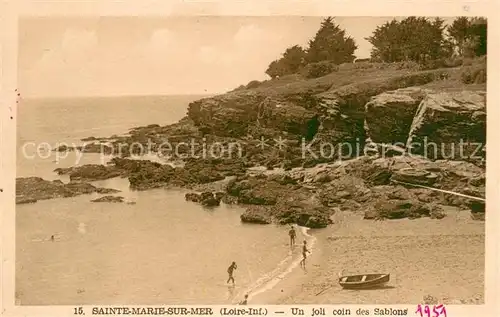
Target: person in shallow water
230,271
292,235
245,301
304,254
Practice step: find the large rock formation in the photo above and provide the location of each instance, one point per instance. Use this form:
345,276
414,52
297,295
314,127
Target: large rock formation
308,124
450,125
226,115
388,116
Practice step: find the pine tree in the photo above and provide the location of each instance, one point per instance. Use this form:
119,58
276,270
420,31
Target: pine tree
331,44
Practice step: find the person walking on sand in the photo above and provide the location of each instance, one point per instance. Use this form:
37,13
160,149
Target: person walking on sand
245,301
304,254
230,271
292,235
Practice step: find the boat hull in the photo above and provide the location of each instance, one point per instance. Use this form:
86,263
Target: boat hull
364,281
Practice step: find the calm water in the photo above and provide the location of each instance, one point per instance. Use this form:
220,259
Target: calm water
161,250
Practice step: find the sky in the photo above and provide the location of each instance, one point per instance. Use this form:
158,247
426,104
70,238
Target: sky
109,56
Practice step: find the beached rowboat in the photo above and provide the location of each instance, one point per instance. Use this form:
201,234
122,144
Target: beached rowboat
363,280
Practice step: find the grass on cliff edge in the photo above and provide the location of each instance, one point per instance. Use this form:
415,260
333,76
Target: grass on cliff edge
471,75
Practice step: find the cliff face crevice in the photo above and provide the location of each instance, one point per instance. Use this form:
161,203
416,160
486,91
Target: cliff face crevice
449,125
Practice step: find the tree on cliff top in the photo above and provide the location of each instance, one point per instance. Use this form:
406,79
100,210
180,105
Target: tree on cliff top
414,38
292,60
469,35
475,44
331,44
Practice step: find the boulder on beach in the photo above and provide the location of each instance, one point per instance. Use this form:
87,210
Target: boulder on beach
256,214
389,209
263,190
389,206
302,213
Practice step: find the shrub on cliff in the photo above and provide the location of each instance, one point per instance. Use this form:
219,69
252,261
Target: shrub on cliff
253,84
319,69
442,63
474,75
289,63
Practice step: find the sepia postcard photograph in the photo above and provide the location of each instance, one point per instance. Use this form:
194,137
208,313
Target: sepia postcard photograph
249,160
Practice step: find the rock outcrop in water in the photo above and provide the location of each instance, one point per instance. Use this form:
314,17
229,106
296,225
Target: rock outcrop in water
32,189
109,199
90,172
146,174
208,199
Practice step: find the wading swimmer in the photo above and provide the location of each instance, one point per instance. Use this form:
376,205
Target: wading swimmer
230,271
304,255
292,235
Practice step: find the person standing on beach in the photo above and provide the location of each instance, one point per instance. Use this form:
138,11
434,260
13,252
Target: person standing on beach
292,235
304,254
230,271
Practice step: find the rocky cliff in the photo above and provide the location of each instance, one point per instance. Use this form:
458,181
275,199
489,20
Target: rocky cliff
360,138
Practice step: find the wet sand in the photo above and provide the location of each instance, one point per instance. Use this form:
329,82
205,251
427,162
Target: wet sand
441,258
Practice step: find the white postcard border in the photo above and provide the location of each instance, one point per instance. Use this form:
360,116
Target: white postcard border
11,11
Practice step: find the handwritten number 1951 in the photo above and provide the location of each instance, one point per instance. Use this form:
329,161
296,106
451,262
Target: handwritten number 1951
425,311
79,311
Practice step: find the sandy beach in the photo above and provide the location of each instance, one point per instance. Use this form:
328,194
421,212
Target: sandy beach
425,257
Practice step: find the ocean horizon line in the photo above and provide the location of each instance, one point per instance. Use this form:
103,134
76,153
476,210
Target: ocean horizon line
31,98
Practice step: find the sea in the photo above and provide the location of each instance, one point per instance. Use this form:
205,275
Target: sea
159,250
